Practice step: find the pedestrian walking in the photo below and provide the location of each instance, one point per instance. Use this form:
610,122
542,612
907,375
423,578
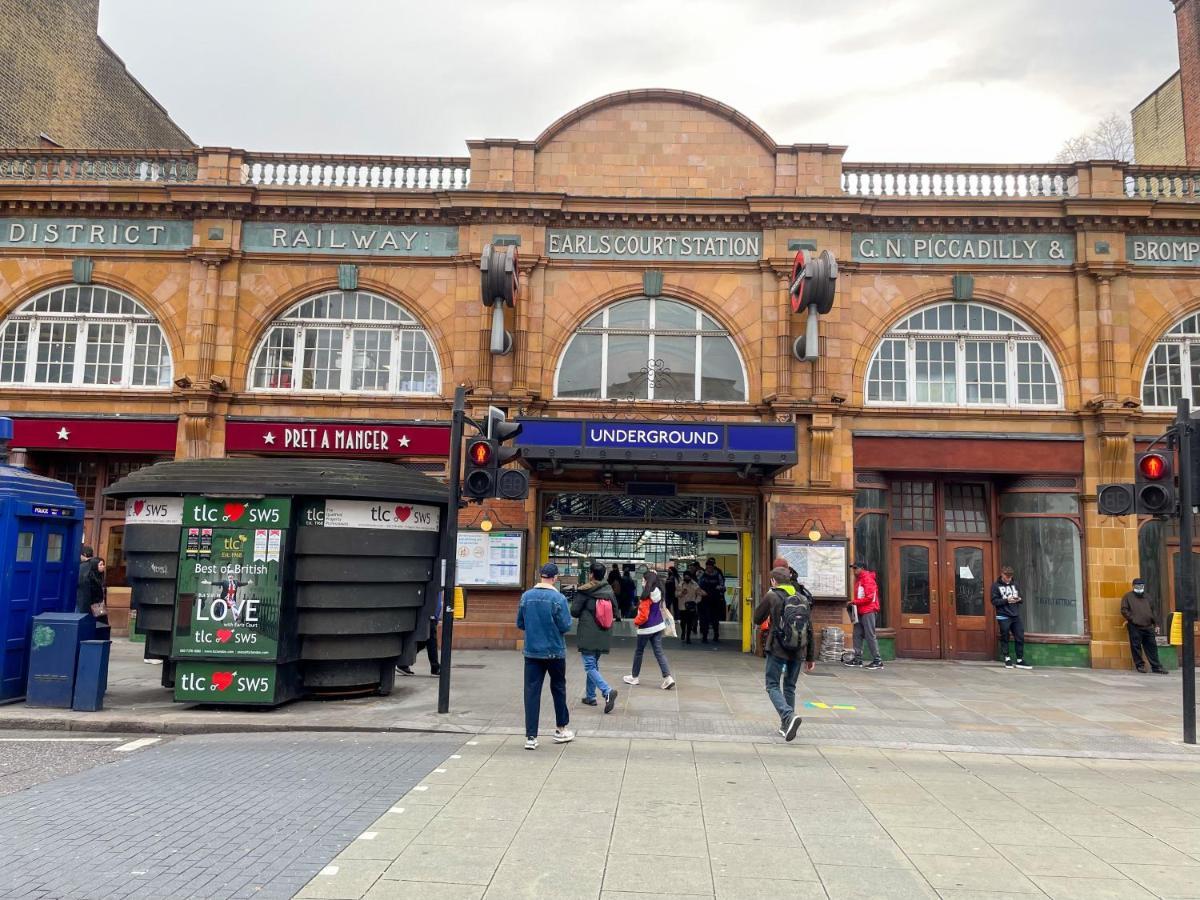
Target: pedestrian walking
689,597
1007,599
787,615
628,592
1142,624
614,582
671,588
866,608
712,606
650,625
544,617
593,605
430,644
89,591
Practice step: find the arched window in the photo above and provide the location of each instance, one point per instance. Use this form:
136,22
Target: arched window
962,354
348,341
651,349
1173,370
84,336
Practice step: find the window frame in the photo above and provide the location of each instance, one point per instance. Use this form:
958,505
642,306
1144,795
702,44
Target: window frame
698,333
301,327
1185,335
74,356
960,337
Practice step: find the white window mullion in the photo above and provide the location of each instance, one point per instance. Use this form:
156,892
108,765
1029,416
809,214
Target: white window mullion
604,360
127,359
31,345
960,372
1185,370
297,360
651,373
910,371
347,359
699,379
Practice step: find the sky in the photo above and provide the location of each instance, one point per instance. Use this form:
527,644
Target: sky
1004,81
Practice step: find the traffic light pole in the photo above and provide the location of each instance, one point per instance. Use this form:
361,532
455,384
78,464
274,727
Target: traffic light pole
1185,585
450,547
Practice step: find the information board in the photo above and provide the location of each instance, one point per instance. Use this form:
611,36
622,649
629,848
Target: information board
490,558
821,566
229,587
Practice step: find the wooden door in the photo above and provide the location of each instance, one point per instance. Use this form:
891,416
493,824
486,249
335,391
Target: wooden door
965,620
916,586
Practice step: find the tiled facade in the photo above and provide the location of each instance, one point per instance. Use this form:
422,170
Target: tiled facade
657,161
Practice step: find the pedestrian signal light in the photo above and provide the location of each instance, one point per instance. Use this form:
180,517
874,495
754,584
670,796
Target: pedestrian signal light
479,479
480,453
1115,499
1154,484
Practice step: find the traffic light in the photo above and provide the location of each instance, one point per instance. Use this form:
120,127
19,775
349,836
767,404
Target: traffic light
1154,487
1115,499
479,479
511,484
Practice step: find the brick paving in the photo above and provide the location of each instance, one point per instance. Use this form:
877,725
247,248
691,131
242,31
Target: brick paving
215,816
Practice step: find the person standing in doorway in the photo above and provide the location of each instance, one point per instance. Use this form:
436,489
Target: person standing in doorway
866,604
594,638
628,592
671,586
689,597
787,615
1143,627
544,617
712,586
614,582
1006,598
650,626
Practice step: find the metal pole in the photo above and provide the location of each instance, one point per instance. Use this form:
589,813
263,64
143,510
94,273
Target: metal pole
450,548
1185,588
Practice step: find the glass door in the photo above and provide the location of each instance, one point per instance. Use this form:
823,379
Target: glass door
918,632
966,623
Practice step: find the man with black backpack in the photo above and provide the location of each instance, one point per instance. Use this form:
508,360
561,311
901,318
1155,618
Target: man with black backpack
789,640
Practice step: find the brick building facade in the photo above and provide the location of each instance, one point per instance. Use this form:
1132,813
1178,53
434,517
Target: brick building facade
61,84
1158,133
1002,340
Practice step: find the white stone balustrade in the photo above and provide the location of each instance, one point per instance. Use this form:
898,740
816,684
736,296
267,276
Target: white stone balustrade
402,173
935,180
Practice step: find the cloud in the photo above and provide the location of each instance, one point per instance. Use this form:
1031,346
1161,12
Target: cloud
907,80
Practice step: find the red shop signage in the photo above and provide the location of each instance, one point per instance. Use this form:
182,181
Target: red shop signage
102,433
336,439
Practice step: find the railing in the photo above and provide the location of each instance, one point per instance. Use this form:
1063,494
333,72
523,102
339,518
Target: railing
402,173
99,166
937,180
1163,183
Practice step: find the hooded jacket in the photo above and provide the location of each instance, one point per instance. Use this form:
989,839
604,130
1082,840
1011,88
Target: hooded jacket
1001,595
866,592
590,637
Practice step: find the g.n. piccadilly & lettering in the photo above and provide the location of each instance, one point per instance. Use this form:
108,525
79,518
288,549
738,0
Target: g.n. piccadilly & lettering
916,248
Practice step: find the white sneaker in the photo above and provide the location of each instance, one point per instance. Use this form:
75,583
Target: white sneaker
668,683
629,679
563,736
530,743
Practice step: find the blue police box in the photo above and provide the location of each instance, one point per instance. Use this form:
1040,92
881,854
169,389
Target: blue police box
41,527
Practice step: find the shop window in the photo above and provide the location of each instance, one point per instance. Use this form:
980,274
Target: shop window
346,342
1047,560
651,349
913,506
84,336
1060,504
1173,370
963,354
871,546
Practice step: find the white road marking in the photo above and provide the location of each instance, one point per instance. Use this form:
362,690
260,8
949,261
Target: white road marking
368,835
455,756
421,787
329,871
472,743
439,771
396,809
136,745
61,740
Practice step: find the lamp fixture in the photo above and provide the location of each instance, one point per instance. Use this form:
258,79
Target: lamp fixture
816,529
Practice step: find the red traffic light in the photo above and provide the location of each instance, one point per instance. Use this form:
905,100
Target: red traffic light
480,453
1153,466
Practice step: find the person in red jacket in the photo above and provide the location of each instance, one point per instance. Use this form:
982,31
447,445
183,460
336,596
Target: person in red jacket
866,604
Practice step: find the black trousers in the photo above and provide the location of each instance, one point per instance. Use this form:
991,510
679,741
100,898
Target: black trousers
1013,626
687,623
710,615
1143,646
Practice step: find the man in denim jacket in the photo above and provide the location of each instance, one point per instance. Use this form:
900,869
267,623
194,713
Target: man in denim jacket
545,617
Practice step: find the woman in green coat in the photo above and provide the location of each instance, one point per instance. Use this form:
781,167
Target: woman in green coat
592,640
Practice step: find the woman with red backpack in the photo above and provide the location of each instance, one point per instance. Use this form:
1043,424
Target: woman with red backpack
593,605
650,625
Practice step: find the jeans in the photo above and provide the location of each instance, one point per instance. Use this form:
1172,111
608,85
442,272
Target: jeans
1143,646
1012,625
655,642
864,630
536,671
787,671
595,681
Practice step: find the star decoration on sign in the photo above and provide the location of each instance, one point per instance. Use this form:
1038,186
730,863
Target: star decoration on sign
63,434
403,440
269,438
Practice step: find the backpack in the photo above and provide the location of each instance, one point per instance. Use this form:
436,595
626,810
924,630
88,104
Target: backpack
790,631
604,613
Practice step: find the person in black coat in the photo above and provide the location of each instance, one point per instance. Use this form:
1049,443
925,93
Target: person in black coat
89,590
592,640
